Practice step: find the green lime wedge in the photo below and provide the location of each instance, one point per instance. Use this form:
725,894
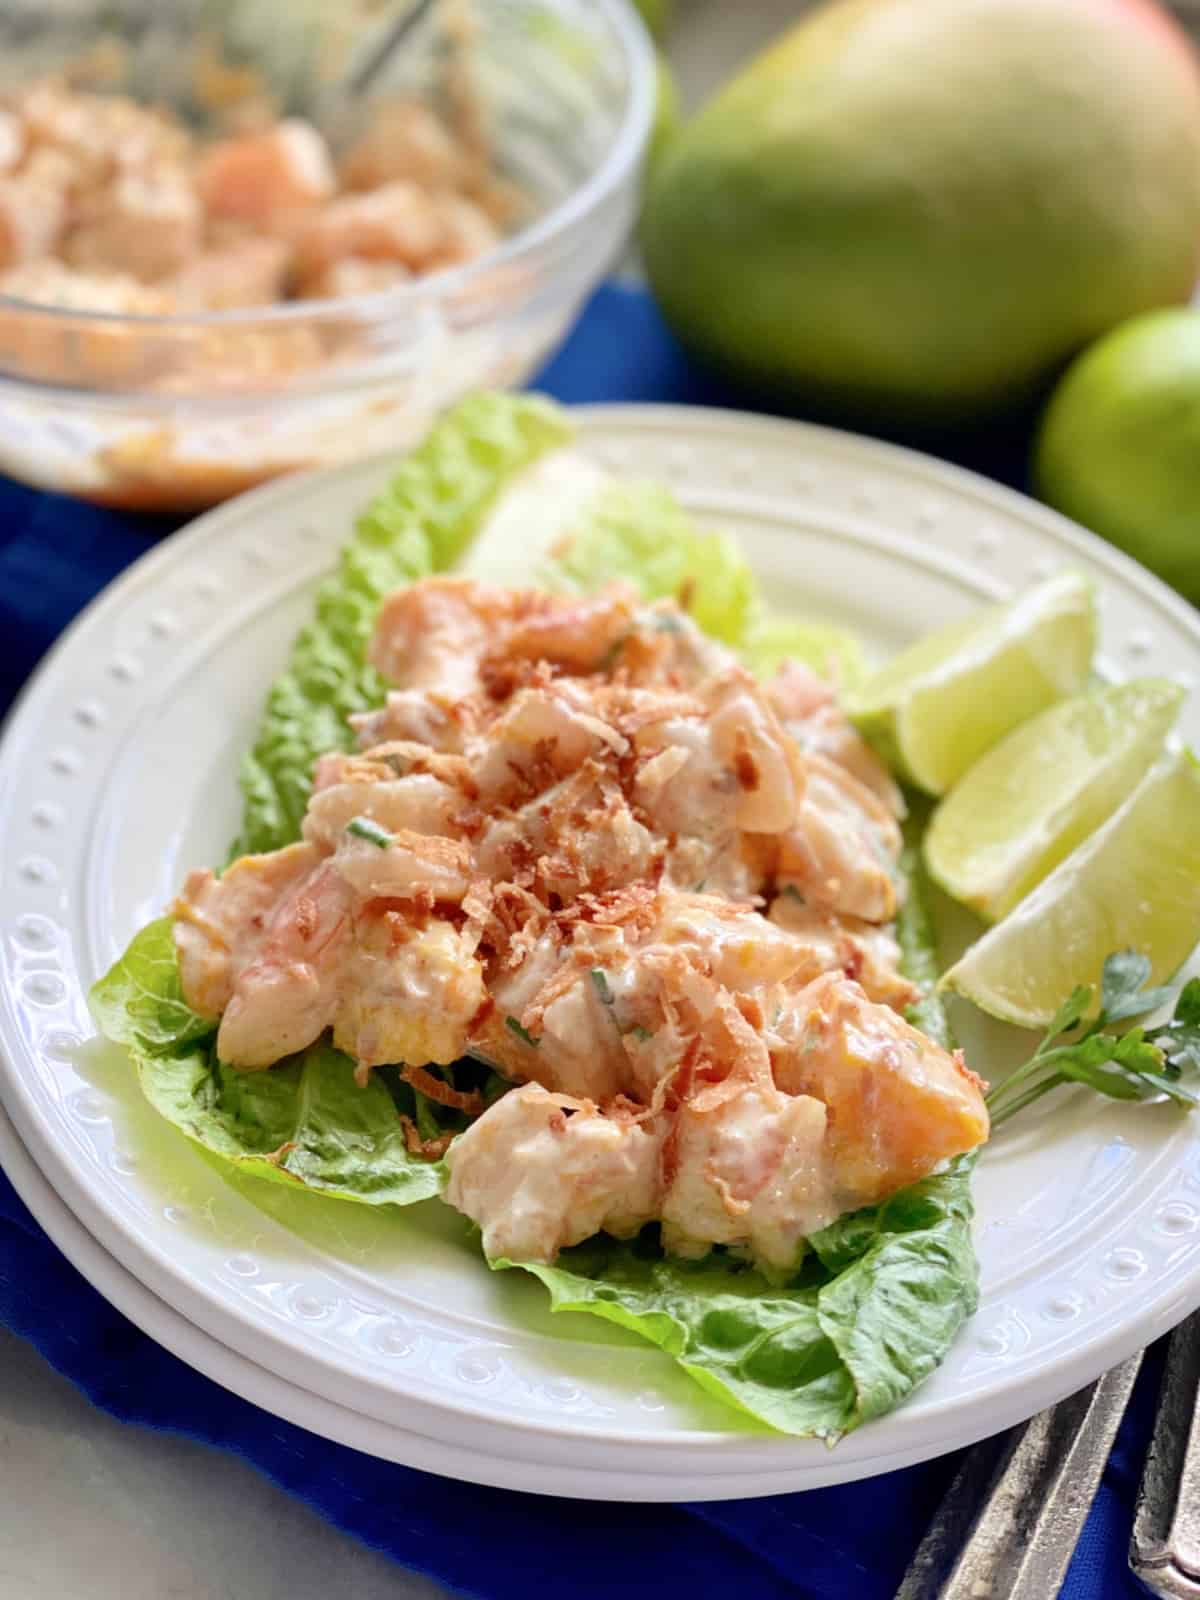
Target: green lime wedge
1134,885
830,653
933,710
1043,789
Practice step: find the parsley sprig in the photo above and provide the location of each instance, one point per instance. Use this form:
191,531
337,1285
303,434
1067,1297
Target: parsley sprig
1139,1064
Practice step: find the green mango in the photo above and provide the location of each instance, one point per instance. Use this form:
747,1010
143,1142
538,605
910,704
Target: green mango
667,114
914,211
656,14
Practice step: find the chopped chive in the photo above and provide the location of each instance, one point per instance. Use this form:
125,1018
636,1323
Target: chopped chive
793,893
365,828
641,1033
522,1033
600,979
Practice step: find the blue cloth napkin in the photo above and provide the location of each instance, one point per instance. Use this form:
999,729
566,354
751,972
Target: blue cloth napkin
847,1543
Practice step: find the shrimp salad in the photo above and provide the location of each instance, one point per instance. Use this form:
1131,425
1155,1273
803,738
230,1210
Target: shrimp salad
108,204
592,931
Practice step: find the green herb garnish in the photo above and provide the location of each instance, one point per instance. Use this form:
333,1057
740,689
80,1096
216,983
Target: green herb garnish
365,828
1139,1064
522,1033
600,979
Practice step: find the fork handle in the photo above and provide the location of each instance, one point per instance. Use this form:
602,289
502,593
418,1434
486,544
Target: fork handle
1164,1550
1011,1519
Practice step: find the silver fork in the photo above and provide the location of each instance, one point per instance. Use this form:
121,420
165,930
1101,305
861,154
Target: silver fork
1164,1551
1010,1521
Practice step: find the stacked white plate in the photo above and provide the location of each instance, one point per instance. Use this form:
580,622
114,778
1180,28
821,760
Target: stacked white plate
387,1332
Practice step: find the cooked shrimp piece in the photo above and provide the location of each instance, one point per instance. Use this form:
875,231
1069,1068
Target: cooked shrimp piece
439,633
744,1163
408,993
595,1002
538,737
290,989
51,284
403,865
219,921
146,224
100,134
582,1054
864,951
12,141
841,853
354,275
467,230
578,635
555,1023
749,742
577,837
692,800
808,708
424,716
402,140
396,223
735,945
347,787
665,649
283,947
31,221
269,178
433,634
248,272
539,1172
683,787
898,1103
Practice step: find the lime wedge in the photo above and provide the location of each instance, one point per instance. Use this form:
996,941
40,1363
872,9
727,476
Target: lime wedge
1134,885
1039,792
831,653
933,710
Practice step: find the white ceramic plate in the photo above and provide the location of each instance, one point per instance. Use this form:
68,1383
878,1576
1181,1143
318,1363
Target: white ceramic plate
117,772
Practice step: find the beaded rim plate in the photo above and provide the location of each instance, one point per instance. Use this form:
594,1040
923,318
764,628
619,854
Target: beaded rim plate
117,771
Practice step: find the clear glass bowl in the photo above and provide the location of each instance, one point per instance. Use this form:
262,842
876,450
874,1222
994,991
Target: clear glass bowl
175,413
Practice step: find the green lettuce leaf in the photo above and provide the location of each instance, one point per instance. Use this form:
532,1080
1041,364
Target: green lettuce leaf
871,1315
421,524
305,1122
640,532
904,1280
755,1346
914,929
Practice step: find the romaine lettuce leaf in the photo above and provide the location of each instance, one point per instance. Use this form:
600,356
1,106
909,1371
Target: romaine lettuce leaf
904,1280
640,532
914,928
421,524
306,1121
755,1346
872,1313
